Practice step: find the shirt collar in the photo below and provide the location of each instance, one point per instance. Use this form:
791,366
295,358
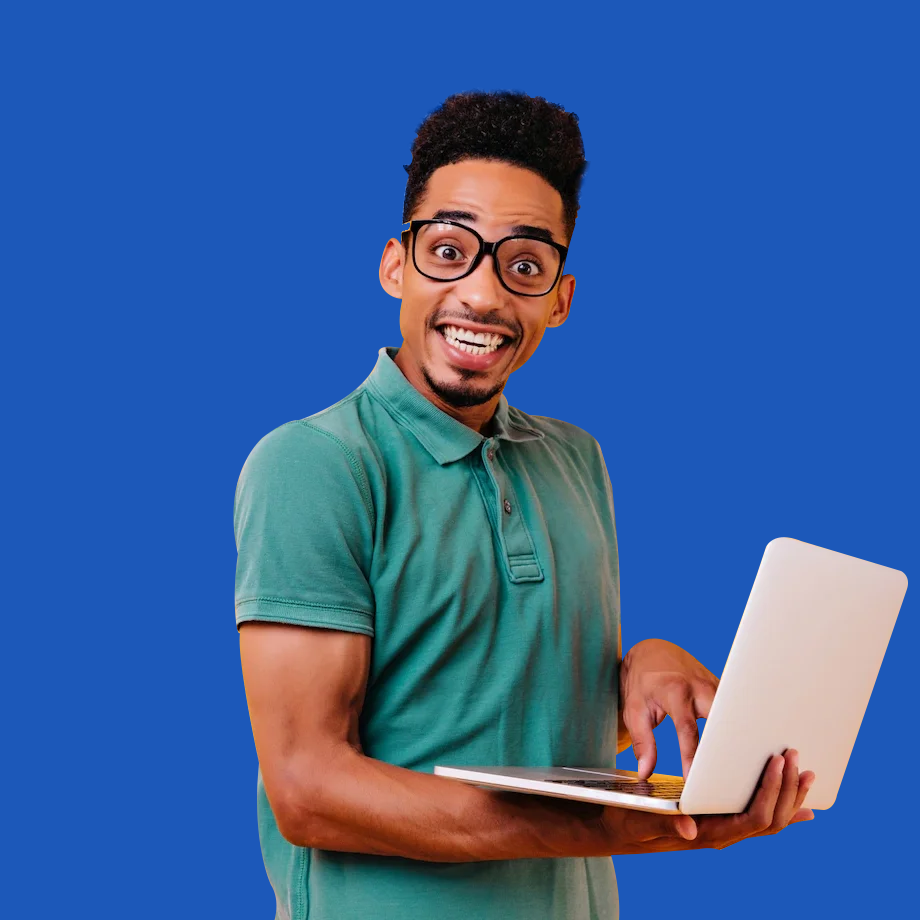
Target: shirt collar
443,437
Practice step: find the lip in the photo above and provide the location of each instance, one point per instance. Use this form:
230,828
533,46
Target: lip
464,359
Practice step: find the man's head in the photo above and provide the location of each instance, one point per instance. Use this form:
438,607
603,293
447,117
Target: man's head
504,165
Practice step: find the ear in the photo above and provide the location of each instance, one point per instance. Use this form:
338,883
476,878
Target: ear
392,263
563,301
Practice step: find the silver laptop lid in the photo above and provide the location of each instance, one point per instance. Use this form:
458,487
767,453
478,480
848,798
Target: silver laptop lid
799,674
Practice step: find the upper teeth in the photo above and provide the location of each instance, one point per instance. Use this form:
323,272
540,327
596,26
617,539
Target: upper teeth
456,334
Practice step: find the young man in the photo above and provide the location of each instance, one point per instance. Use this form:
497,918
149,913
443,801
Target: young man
428,575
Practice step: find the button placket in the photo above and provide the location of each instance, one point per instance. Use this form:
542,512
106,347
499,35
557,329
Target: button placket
516,544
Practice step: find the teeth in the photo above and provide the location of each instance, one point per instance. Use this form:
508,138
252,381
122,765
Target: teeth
474,343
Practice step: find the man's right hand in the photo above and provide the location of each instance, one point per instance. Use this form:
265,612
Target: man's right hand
777,803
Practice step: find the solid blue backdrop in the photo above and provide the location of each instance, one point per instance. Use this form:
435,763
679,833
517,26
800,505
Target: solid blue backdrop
196,200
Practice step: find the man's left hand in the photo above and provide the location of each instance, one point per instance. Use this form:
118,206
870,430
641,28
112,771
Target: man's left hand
658,679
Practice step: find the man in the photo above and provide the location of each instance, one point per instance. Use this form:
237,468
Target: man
428,575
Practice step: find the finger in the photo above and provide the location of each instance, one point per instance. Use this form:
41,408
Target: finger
806,781
720,831
684,710
686,827
679,706
705,694
638,721
644,826
688,739
803,814
760,813
786,801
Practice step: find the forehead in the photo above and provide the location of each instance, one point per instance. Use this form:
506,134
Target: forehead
500,196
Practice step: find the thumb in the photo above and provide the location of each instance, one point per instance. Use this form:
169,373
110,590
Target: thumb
649,826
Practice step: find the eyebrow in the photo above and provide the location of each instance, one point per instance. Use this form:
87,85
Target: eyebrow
454,215
541,232
527,229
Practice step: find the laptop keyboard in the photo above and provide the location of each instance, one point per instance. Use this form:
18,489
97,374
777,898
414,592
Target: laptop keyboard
660,789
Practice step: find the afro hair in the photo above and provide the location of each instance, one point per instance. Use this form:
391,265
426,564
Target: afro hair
526,131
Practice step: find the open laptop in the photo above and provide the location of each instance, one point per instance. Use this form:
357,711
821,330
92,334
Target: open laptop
799,675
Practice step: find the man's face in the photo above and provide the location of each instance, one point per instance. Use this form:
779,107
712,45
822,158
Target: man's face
497,200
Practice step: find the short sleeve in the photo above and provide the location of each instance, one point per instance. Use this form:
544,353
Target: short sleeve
303,519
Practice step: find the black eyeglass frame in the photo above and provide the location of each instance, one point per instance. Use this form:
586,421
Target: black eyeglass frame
486,249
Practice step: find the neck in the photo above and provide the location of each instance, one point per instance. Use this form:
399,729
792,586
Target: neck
476,417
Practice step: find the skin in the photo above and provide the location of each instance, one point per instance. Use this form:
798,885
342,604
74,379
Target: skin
305,687
498,197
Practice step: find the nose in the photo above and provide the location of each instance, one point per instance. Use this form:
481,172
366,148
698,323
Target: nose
481,290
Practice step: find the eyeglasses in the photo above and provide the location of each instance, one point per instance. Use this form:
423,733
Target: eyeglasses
444,250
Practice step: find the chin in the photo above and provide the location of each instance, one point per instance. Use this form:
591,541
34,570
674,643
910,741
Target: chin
461,392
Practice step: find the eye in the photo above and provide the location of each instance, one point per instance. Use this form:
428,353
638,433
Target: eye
448,252
526,267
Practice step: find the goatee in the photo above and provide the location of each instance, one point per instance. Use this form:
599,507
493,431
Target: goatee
461,395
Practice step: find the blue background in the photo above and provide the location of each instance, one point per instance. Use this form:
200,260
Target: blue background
195,201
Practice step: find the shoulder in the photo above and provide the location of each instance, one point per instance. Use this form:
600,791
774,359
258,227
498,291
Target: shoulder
314,453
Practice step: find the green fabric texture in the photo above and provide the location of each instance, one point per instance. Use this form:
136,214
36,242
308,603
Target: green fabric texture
485,569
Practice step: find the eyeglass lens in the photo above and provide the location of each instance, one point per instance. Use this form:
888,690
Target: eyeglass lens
445,252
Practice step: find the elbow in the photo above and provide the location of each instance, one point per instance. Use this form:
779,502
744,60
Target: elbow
293,805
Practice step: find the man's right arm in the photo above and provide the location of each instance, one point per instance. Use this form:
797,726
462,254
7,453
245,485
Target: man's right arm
305,689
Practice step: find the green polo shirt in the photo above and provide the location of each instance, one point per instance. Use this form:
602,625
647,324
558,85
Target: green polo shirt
485,569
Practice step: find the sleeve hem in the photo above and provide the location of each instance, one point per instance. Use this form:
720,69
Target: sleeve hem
301,614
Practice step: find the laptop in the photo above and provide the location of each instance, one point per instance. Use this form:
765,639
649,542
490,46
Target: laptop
799,675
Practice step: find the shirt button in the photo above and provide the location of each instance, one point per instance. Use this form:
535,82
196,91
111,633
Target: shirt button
507,506
490,454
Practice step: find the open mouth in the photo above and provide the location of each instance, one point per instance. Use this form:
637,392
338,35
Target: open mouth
473,343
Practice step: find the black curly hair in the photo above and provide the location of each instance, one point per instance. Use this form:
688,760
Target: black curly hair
511,127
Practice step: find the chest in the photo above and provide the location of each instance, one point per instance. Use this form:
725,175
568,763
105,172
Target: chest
493,545
503,623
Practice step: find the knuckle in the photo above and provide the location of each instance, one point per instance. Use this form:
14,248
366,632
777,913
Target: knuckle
634,711
682,689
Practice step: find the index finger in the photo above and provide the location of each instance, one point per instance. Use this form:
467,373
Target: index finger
638,722
704,693
681,709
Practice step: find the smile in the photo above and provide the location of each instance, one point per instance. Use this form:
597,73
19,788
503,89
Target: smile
473,343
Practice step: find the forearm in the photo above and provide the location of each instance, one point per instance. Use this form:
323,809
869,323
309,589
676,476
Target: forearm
361,805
